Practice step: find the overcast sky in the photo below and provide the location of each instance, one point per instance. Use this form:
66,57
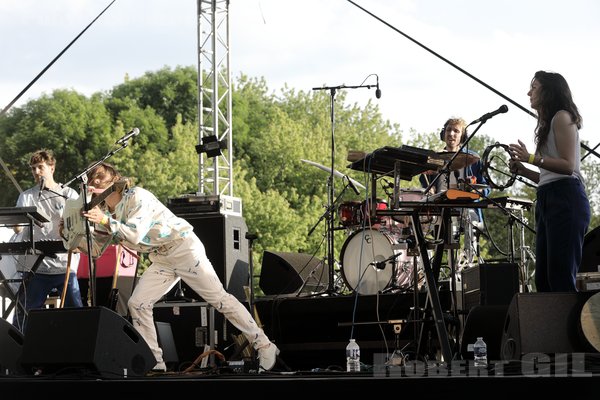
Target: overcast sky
310,43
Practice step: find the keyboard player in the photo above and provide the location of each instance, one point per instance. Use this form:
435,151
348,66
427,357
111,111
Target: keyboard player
49,198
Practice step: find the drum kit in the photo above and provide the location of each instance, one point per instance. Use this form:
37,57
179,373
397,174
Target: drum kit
379,253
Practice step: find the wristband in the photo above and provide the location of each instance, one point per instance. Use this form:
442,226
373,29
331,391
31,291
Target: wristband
104,220
531,158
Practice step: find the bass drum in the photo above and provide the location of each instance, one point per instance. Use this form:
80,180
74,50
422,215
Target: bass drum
373,261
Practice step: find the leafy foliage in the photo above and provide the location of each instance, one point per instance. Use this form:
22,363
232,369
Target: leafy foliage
284,198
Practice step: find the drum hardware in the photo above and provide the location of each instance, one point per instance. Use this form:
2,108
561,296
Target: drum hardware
458,160
397,358
370,260
328,215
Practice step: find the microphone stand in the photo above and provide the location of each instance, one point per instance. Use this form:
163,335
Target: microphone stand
82,177
330,183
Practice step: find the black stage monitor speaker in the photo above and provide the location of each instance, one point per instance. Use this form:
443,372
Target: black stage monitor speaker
590,258
489,284
285,273
89,339
11,347
544,323
224,238
486,322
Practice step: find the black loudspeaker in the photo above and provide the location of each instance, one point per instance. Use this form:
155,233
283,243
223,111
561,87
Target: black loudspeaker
544,323
489,284
224,238
286,273
486,322
590,260
88,339
11,347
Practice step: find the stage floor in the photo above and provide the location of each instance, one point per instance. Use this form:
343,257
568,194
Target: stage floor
438,384
312,333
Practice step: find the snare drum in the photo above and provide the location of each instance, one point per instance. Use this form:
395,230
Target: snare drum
370,221
373,261
350,213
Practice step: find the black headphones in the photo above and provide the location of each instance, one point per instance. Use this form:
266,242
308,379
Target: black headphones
463,138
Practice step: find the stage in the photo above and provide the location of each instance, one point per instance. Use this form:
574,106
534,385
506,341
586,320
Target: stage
440,384
312,333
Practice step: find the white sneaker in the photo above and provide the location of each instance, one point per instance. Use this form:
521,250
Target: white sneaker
267,356
160,367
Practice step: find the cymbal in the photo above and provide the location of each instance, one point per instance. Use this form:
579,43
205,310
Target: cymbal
335,173
462,159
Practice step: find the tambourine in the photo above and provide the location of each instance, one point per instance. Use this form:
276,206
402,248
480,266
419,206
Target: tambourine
496,168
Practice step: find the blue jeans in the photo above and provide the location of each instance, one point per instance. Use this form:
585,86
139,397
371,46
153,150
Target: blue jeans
34,292
562,214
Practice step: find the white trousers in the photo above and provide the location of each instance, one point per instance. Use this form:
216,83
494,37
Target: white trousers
186,259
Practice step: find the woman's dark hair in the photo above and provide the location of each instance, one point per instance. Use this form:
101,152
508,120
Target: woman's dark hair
554,95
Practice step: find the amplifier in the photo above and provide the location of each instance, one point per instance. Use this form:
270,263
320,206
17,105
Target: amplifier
588,281
205,204
489,284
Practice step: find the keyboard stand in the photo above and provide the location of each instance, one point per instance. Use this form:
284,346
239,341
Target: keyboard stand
11,216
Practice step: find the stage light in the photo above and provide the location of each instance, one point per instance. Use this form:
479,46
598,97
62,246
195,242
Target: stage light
211,146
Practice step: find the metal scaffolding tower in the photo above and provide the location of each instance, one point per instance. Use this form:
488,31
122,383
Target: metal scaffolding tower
215,173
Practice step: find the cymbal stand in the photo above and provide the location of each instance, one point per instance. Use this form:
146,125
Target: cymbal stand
331,187
526,255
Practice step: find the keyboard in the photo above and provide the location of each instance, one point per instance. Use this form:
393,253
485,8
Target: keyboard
41,246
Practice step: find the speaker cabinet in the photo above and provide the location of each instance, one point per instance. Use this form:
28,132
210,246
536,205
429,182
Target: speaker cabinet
90,339
193,326
590,256
291,273
489,285
11,347
486,322
544,323
224,238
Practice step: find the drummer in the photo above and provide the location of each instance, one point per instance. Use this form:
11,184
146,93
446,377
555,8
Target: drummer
469,169
454,135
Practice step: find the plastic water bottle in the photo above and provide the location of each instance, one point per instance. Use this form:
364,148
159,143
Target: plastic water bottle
480,353
352,356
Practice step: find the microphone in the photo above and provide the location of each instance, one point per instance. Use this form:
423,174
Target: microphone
503,108
42,184
381,264
352,185
132,133
377,91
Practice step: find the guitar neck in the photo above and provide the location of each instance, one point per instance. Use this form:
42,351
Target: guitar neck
101,197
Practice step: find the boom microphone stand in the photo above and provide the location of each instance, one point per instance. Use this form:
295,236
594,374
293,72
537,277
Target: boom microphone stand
82,177
330,182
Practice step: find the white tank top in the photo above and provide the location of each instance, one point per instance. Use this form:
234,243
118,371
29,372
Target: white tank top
551,151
